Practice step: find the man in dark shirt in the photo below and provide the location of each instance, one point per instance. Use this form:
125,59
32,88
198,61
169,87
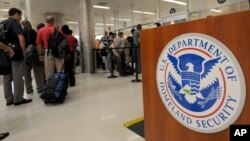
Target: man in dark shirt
136,45
38,67
14,36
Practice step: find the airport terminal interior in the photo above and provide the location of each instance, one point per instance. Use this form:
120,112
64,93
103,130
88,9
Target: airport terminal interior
97,107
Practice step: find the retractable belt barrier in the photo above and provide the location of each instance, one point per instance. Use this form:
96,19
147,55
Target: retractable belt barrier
110,50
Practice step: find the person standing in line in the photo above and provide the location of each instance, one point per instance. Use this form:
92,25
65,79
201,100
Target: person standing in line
38,67
119,43
69,61
11,53
41,50
51,63
15,37
104,45
136,45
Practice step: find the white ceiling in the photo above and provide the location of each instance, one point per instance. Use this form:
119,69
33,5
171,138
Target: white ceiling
70,10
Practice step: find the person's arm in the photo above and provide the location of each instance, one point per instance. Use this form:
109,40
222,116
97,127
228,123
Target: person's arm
39,47
22,42
39,42
6,49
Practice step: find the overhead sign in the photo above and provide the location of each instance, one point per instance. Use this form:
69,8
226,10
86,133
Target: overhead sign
200,82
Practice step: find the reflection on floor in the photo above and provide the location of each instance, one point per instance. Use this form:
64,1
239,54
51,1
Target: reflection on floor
94,110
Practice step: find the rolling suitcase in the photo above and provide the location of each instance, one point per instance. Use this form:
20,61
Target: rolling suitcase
55,89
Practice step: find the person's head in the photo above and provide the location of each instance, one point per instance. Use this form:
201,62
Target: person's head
15,14
39,26
120,34
65,29
158,24
139,27
132,31
70,32
26,24
50,20
111,34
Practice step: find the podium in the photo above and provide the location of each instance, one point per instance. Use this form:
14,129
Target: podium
233,31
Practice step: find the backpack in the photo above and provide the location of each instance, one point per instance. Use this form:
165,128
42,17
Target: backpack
31,55
58,44
3,30
5,63
16,48
55,89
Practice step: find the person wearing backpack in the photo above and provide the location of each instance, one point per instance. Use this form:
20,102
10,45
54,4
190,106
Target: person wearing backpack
51,63
32,62
69,60
15,40
11,53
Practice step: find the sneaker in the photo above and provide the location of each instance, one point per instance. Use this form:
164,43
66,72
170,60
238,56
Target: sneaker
24,101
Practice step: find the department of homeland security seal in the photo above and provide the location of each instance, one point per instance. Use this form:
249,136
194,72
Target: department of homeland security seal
200,83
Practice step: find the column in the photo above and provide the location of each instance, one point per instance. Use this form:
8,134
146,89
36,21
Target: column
132,14
87,35
158,9
104,21
188,9
28,10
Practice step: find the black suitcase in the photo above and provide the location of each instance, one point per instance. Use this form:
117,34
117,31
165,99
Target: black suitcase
56,88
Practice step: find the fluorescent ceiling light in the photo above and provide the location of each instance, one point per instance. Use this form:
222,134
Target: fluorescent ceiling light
98,28
176,2
72,22
215,10
121,19
142,12
5,10
101,7
105,24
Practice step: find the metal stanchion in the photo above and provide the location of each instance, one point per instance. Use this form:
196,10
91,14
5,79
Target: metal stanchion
94,60
111,59
136,67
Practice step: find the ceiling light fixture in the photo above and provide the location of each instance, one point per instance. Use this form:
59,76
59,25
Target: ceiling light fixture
142,12
176,2
5,10
105,24
216,10
101,7
72,22
121,19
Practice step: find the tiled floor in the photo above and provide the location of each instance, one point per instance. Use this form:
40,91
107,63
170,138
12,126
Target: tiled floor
94,110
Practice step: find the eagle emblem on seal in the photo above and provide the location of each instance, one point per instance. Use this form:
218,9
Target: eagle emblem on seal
194,79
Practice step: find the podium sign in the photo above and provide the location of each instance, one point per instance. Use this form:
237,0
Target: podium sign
200,82
194,78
